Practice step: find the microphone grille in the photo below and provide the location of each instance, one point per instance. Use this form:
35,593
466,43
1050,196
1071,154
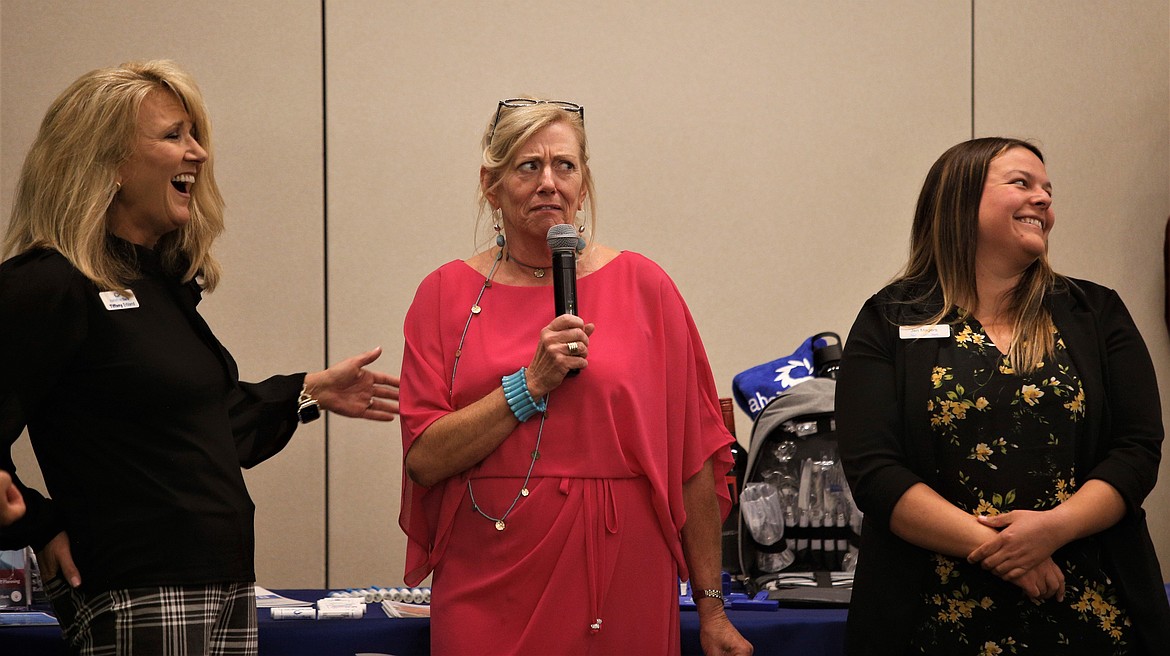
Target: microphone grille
562,237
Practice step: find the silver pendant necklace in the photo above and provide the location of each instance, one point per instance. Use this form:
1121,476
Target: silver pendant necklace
501,521
537,272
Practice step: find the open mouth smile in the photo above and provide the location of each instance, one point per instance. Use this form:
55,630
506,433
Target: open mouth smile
183,182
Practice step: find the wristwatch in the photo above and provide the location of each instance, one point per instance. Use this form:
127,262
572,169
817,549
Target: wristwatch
711,593
308,408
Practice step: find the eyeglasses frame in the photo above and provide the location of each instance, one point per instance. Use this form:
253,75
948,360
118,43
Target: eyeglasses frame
514,103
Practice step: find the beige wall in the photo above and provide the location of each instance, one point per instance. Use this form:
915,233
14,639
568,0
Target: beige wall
767,154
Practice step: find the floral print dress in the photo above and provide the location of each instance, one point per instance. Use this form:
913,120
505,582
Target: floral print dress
1006,441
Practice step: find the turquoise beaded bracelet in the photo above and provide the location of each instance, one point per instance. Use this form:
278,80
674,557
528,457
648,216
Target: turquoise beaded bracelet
519,398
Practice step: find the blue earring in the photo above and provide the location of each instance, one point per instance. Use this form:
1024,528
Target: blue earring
500,241
580,244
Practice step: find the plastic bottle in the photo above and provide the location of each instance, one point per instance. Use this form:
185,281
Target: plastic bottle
826,355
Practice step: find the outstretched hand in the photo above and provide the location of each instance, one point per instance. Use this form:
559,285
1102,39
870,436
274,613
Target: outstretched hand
349,389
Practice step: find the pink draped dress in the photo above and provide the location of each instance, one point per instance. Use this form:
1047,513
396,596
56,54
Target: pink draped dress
590,559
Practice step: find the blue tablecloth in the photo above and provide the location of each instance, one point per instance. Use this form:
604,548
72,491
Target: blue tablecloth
807,632
785,632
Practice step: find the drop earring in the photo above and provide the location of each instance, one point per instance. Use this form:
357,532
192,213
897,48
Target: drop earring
580,240
500,241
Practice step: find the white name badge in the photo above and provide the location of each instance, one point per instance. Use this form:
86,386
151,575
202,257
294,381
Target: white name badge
924,332
123,300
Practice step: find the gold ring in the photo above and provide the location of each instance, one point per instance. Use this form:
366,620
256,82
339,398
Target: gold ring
573,348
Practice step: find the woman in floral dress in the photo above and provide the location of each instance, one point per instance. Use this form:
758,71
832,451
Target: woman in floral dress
1000,426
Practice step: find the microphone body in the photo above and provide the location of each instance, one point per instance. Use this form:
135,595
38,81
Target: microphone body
564,267
562,241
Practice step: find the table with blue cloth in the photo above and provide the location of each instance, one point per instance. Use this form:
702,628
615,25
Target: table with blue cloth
787,631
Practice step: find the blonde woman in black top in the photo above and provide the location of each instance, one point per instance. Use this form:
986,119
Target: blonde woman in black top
135,410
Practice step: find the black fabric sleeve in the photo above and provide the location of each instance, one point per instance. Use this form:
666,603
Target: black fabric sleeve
1133,444
870,431
264,416
43,312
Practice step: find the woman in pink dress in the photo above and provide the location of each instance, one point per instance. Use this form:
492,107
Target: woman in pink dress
557,511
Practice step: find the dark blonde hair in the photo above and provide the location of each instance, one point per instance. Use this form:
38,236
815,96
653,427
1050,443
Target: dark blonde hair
943,241
67,182
515,127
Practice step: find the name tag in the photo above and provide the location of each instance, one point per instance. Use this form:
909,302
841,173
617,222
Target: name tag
924,332
123,300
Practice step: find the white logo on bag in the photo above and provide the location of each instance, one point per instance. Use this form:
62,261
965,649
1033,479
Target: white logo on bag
784,373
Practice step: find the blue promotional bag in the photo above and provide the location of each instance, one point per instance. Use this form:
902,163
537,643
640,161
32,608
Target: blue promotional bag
819,355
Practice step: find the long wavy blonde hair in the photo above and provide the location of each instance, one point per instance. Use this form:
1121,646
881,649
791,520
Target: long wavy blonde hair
67,182
942,249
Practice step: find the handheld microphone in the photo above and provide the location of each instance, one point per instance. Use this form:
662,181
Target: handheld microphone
562,241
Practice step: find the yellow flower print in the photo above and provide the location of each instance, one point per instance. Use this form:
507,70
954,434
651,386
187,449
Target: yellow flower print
1065,489
944,567
981,403
984,450
1077,404
938,375
968,336
985,508
1005,367
1031,394
956,610
1108,616
990,649
956,408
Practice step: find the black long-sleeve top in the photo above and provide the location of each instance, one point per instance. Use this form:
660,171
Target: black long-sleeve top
887,447
139,423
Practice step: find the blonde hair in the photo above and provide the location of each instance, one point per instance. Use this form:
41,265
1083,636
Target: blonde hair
515,127
942,249
67,182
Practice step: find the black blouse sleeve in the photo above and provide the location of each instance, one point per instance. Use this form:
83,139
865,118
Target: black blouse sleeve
43,312
264,416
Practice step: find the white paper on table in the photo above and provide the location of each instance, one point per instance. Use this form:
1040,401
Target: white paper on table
266,598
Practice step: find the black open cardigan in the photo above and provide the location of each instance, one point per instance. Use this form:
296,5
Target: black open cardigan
886,447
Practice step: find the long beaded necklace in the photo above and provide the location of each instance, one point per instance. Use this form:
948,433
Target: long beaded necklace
500,522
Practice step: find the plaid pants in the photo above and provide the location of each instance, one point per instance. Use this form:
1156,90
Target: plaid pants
187,620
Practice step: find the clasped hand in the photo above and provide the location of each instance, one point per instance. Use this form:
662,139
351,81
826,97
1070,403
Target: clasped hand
1021,552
